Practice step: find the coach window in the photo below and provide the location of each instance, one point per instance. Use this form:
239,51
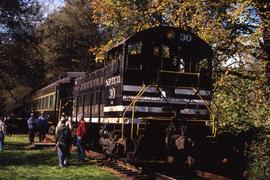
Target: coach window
47,102
35,104
54,100
134,55
39,104
43,103
51,102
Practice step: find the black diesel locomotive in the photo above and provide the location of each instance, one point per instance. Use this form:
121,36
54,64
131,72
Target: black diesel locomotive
151,99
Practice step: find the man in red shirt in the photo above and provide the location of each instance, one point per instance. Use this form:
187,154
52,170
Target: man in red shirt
81,136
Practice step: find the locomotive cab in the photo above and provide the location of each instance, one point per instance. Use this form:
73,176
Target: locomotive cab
167,57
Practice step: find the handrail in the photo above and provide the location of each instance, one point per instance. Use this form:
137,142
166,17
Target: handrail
212,117
124,113
60,110
133,102
176,72
133,109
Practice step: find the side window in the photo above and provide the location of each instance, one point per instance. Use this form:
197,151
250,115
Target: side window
135,48
166,60
165,52
202,66
181,65
156,49
114,58
116,61
134,55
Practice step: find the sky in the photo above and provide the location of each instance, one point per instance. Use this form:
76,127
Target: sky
51,5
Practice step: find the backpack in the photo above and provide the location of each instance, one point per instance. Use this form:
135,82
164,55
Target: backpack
64,137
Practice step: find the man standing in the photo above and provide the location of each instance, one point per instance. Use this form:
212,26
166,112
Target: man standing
81,136
2,133
31,128
42,126
9,126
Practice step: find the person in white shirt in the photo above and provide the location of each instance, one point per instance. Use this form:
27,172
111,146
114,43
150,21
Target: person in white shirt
31,122
2,133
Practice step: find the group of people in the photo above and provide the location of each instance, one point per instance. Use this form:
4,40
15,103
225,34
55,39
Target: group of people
5,129
63,135
37,125
64,139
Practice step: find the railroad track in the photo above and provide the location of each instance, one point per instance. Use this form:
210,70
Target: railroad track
138,172
127,172
198,175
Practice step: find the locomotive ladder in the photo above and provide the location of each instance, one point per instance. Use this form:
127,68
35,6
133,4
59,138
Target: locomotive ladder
133,102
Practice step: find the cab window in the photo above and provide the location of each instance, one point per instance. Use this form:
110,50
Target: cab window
134,55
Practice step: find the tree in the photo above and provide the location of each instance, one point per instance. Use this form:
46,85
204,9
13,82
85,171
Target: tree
263,8
232,21
67,35
20,64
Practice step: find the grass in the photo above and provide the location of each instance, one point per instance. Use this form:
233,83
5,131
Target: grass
19,162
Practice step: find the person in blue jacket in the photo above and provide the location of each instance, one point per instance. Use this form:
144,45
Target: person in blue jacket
41,126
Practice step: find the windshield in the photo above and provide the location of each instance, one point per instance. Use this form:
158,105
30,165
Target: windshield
167,57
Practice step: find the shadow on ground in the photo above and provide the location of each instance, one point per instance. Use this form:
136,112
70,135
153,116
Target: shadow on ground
13,146
20,157
17,152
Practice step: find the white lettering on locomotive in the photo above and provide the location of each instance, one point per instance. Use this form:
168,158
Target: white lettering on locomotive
113,80
111,93
185,37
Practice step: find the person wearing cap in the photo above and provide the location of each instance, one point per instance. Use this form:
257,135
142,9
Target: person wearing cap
41,126
63,139
31,123
2,133
81,137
